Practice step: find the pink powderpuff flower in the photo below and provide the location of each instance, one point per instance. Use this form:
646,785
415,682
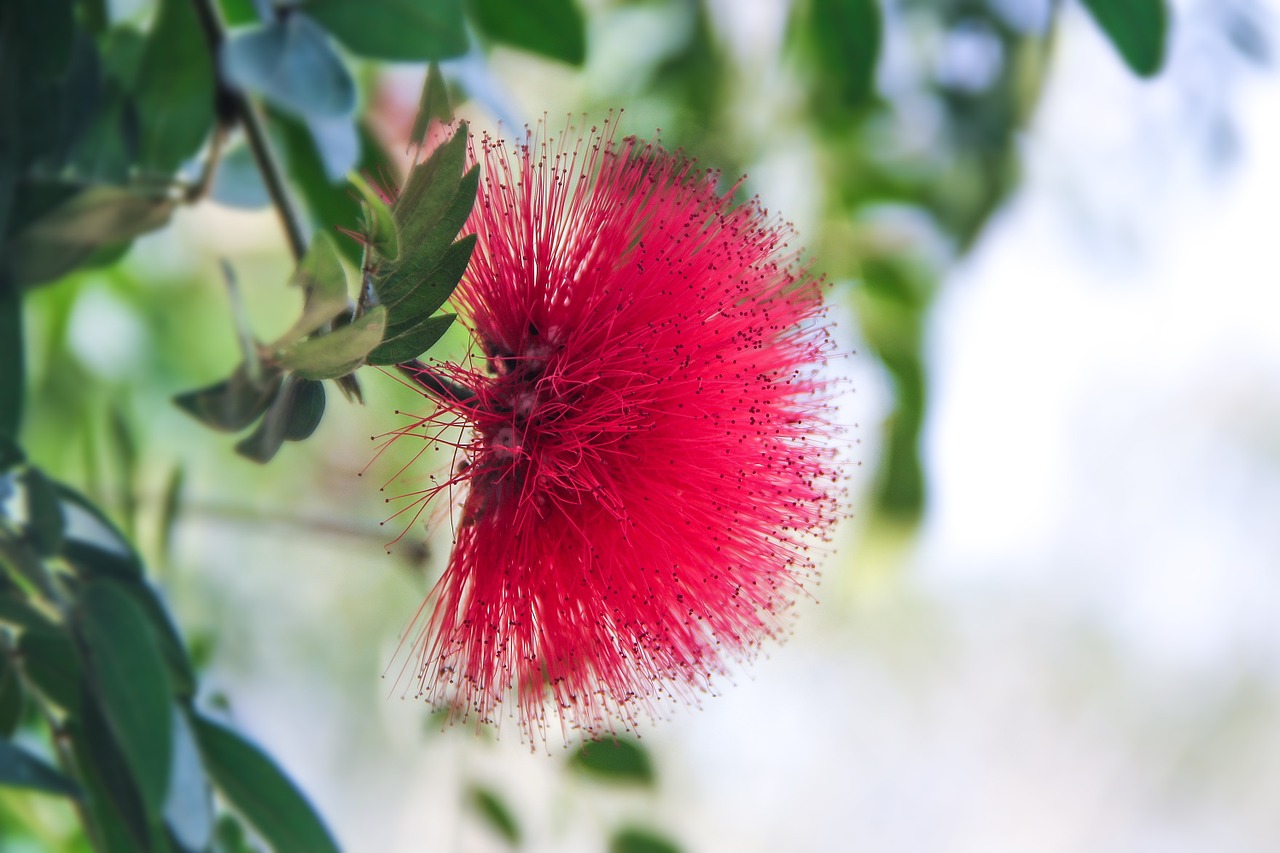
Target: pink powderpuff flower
646,458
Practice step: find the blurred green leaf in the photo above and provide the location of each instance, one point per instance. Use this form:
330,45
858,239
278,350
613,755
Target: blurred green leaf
489,806
92,218
635,840
339,352
396,30
1137,28
188,804
618,760
170,508
176,88
47,30
291,63
411,340
323,280
45,520
119,817
21,769
11,697
553,28
260,791
234,403
49,660
124,458
379,226
843,40
21,614
127,674
11,355
433,104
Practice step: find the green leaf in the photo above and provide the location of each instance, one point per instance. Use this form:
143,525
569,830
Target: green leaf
396,30
308,409
1138,29
618,760
260,791
339,352
49,660
412,341
380,231
489,806
292,417
234,403
127,675
21,769
843,39
634,840
433,104
11,355
176,88
118,816
291,63
323,279
21,614
420,286
98,216
11,697
188,804
553,28
47,28
170,507
45,520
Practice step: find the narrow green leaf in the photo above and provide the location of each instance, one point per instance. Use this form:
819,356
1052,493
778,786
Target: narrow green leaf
434,104
635,840
489,806
127,674
97,540
260,791
339,352
28,571
170,508
619,760
396,30
323,279
420,287
380,230
553,28
65,237
176,88
291,63
412,342
11,698
234,403
45,521
1139,30
12,376
21,769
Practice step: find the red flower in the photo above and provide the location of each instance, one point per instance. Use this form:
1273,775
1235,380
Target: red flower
646,458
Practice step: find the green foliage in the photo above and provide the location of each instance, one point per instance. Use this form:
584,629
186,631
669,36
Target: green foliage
617,760
841,40
397,30
20,769
260,791
175,89
636,840
552,28
11,354
1139,30
494,812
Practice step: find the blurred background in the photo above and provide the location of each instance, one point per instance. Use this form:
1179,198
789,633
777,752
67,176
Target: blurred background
1052,620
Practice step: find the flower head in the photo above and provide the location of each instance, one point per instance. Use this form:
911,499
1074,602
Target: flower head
644,463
